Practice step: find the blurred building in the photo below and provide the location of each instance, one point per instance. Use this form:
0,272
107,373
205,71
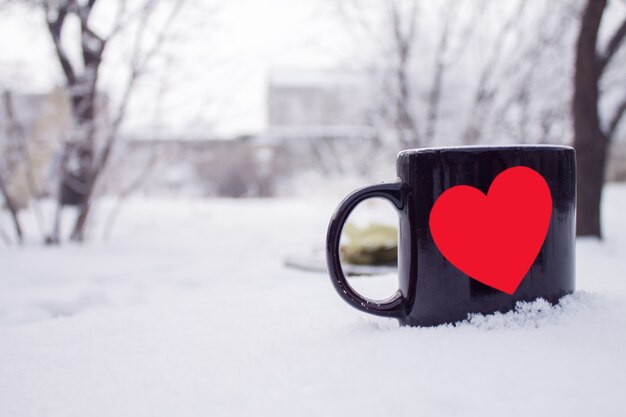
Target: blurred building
169,164
316,104
308,112
316,99
33,127
314,117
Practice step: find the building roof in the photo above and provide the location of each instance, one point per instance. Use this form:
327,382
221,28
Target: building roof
308,78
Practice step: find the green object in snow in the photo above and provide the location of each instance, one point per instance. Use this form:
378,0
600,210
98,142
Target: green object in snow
376,244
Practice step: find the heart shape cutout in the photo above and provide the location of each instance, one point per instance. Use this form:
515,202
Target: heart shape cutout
494,238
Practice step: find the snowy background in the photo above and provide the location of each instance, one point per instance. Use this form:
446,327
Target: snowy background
180,315
229,153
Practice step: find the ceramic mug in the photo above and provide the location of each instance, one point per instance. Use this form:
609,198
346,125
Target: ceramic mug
432,290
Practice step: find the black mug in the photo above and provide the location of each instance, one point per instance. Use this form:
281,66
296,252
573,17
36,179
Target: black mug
432,290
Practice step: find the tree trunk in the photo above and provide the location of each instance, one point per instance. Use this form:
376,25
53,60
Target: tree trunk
78,233
80,226
590,142
12,207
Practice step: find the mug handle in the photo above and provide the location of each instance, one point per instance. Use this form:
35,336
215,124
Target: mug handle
390,307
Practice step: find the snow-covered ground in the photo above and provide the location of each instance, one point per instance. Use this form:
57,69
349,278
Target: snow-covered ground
188,311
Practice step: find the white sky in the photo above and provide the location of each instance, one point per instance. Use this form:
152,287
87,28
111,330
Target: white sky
220,66
216,84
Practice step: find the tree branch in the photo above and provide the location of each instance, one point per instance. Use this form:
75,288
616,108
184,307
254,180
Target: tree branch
137,69
55,20
15,133
487,84
120,23
403,43
613,46
13,209
440,69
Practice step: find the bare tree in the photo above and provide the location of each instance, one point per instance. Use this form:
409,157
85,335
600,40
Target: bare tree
591,140
88,149
418,89
530,93
20,151
487,88
441,65
403,25
10,153
12,207
389,28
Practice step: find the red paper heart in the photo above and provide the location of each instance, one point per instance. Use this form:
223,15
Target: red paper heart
494,238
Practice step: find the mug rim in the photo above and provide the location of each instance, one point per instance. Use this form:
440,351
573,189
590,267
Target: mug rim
484,148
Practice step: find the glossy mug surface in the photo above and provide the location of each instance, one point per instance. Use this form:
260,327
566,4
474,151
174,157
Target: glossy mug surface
431,290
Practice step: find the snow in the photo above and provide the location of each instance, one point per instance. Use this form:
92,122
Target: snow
189,311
